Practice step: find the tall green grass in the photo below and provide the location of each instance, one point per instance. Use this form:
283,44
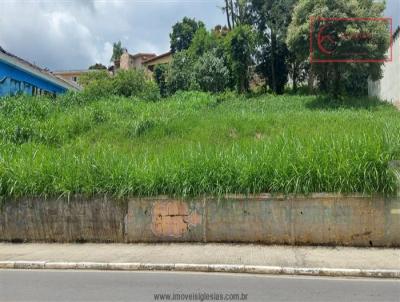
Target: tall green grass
195,143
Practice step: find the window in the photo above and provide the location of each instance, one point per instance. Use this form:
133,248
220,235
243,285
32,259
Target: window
15,87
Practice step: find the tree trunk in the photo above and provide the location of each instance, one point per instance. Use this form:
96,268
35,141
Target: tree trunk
227,10
311,80
233,16
294,76
324,81
273,50
336,84
240,13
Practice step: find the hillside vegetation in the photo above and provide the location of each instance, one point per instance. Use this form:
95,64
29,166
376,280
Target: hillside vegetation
195,143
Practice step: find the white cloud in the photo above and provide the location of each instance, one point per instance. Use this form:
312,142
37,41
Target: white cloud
73,34
104,55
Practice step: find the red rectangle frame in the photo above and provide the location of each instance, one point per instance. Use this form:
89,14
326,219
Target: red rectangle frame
312,60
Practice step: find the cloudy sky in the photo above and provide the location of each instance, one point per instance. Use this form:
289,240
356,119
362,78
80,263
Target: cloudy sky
73,34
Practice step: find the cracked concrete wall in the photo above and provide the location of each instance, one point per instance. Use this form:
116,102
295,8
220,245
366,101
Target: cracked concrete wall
319,219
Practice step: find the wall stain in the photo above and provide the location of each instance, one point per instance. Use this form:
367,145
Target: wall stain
172,219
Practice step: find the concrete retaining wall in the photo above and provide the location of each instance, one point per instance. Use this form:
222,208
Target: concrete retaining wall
62,220
319,219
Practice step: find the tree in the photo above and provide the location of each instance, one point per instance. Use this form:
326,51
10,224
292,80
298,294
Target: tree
183,33
272,18
237,12
273,65
228,11
334,77
118,50
203,41
298,69
210,73
180,74
220,31
97,66
240,48
212,42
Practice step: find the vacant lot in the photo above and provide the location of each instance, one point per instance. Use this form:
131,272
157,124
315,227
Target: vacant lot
194,143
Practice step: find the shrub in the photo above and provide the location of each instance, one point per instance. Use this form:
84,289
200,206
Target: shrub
95,75
226,96
72,98
180,75
150,92
211,74
160,76
127,83
140,127
98,88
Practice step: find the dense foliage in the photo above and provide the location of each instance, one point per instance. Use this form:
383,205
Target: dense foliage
118,50
180,74
240,46
339,78
183,33
97,66
195,143
268,40
126,83
210,73
160,76
271,19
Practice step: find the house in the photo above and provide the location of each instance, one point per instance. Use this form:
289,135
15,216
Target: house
70,75
128,61
145,61
388,88
164,58
19,76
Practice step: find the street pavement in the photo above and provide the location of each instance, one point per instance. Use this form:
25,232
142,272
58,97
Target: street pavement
37,285
235,254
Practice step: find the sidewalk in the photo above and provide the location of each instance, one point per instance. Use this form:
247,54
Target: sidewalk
284,259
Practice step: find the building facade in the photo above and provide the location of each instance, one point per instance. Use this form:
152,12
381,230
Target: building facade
164,58
128,61
70,75
20,76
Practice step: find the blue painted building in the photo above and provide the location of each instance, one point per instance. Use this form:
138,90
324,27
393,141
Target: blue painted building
20,76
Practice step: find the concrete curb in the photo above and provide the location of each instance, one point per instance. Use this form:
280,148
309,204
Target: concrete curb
220,268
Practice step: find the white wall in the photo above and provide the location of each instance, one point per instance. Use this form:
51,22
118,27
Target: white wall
388,88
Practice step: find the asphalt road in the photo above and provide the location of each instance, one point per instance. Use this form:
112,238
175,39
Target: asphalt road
35,285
